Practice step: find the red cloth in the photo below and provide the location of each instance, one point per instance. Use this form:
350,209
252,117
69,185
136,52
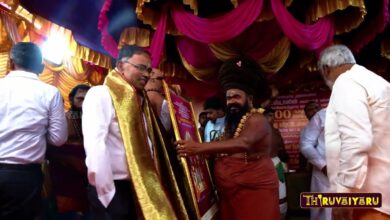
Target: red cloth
247,191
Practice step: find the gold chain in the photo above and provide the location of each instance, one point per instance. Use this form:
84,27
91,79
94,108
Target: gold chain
242,123
245,118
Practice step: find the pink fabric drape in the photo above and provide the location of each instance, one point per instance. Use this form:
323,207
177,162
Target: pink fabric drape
224,28
197,89
254,42
219,29
259,39
108,42
195,53
370,29
307,37
158,42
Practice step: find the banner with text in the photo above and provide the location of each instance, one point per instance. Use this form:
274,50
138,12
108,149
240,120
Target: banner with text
290,119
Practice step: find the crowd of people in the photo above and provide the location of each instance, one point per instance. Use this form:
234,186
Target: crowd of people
108,159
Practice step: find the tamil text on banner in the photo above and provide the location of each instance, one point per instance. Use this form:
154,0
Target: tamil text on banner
290,119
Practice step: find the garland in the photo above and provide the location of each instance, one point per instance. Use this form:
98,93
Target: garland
244,119
241,126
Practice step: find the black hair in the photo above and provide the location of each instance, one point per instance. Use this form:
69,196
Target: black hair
213,103
129,51
73,92
202,113
27,56
242,72
310,103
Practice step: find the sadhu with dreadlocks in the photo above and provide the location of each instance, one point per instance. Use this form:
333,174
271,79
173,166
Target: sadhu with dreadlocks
245,177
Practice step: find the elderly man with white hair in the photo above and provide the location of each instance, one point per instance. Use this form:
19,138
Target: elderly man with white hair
357,131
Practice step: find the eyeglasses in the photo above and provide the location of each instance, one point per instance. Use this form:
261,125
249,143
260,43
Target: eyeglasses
140,67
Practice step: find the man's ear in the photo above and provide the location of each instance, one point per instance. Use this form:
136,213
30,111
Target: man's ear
325,71
119,66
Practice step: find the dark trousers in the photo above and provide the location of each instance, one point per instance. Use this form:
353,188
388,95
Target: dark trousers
20,191
122,206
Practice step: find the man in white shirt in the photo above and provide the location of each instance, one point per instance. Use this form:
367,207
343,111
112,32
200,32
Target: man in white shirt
312,146
120,146
31,115
310,109
357,131
215,110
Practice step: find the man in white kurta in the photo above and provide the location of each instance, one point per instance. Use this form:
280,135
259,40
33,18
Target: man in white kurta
357,131
312,146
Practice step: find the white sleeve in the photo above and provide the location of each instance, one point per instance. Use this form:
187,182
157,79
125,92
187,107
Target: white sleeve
353,121
57,132
96,120
165,116
207,132
309,140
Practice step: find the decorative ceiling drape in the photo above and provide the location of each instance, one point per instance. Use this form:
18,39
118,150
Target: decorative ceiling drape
217,29
369,30
78,68
353,13
307,37
221,34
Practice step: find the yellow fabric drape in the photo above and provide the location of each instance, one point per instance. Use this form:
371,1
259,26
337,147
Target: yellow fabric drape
92,56
173,70
234,3
68,75
267,13
224,51
3,63
11,26
135,36
349,14
75,68
236,46
47,28
65,83
149,192
193,5
12,3
48,76
52,67
5,41
271,62
65,76
146,15
199,73
95,78
151,17
275,59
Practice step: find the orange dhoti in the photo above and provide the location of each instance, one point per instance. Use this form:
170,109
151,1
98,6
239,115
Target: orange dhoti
247,190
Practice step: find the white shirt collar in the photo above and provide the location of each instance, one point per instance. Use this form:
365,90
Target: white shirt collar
21,73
